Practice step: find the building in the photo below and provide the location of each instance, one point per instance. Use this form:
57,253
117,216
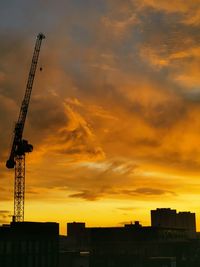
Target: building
131,245
170,241
29,244
168,218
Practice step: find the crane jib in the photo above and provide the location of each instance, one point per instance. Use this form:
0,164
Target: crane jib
18,144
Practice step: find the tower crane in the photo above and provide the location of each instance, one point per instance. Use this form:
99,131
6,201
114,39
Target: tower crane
20,146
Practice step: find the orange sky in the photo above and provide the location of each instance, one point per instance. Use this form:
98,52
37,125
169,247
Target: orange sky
114,114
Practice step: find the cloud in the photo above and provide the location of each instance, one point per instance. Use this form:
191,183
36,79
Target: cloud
75,138
108,192
5,216
148,192
7,110
128,208
120,28
178,6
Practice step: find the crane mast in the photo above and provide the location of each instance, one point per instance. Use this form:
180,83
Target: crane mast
20,146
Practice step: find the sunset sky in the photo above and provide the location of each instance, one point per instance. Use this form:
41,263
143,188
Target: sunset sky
114,116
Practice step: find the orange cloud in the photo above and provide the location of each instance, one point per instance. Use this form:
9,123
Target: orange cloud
176,6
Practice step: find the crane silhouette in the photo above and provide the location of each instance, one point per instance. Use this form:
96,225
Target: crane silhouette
20,146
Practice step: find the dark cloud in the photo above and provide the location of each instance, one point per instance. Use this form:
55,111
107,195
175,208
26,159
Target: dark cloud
127,208
106,192
48,112
161,115
147,142
5,216
148,192
87,195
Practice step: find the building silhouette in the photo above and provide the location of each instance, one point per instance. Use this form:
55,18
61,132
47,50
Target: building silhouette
29,244
132,245
168,218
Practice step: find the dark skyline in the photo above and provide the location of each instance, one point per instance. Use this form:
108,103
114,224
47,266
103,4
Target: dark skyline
170,241
114,114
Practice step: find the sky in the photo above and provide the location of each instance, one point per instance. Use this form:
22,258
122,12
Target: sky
114,113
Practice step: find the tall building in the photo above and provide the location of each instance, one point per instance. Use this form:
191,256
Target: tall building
168,218
29,244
